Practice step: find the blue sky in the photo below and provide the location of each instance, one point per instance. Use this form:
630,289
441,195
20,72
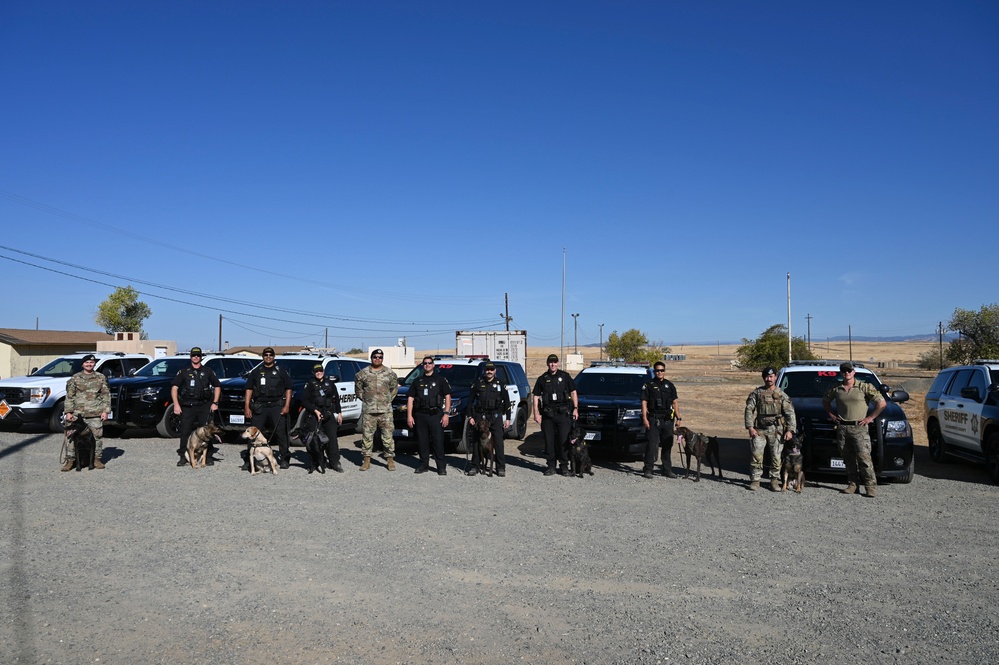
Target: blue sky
390,169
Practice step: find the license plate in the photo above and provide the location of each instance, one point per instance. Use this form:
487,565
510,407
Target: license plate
401,433
836,463
236,420
111,416
591,436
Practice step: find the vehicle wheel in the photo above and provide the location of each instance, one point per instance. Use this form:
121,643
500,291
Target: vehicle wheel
168,428
907,478
992,456
466,433
55,420
520,428
936,443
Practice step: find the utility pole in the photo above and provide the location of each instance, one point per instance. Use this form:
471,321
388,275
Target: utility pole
601,340
220,333
506,317
809,319
575,330
940,332
850,331
789,356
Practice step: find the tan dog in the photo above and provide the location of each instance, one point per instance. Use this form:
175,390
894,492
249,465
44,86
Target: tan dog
199,443
792,471
700,446
259,451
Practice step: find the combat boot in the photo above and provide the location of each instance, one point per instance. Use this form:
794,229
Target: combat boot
753,486
850,489
774,485
98,464
69,464
390,463
366,464
872,490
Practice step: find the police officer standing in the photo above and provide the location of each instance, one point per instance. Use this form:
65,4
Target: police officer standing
427,406
853,399
556,405
87,397
267,401
322,406
769,419
490,402
195,393
659,413
376,386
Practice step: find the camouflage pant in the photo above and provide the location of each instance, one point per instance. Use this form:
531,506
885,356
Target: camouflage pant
377,421
96,426
768,438
854,444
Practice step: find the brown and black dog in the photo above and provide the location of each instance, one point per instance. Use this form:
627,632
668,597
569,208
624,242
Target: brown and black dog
701,446
260,450
83,441
792,470
199,444
487,447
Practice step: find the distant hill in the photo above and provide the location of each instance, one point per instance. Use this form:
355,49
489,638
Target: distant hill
839,338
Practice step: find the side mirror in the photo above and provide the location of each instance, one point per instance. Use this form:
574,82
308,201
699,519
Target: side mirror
899,396
994,388
33,370
971,392
131,372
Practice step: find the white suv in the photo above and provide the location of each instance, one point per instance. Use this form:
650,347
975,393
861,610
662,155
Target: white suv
962,415
39,398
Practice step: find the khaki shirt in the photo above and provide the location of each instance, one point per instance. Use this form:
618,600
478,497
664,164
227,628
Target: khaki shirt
852,404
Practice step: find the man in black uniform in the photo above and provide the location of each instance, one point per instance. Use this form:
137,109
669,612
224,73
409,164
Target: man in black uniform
322,410
556,405
659,403
427,408
489,401
267,401
195,392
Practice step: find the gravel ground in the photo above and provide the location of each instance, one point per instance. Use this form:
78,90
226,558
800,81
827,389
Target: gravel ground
146,562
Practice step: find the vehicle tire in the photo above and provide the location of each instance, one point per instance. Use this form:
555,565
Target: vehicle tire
909,472
992,456
520,428
936,443
166,427
466,433
55,420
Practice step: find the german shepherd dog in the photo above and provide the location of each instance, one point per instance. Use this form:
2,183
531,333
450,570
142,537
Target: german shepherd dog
83,441
701,446
792,470
579,452
199,444
259,451
487,447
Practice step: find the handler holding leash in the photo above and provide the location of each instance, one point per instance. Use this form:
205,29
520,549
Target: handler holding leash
489,401
268,400
427,406
659,414
195,393
769,420
556,405
87,397
322,405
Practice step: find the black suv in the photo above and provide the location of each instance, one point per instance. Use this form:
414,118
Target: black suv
143,399
610,406
806,382
461,372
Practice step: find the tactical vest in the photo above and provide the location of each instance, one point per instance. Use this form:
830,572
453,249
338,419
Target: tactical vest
325,393
268,385
490,396
428,394
554,391
659,402
768,412
195,387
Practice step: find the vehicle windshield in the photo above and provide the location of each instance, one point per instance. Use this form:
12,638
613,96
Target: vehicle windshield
817,384
458,376
595,384
994,375
61,367
163,367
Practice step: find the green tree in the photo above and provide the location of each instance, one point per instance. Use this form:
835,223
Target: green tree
932,359
122,311
770,348
633,346
979,334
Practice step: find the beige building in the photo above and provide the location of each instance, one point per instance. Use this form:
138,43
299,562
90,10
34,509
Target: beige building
24,350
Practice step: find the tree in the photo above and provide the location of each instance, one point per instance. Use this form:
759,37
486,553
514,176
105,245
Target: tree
633,347
123,312
770,349
979,334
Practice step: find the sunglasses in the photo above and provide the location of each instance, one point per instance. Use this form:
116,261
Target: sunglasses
428,362
373,357
660,371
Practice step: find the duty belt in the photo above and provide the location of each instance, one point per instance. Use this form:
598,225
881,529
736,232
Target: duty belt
849,422
768,423
432,412
263,402
194,403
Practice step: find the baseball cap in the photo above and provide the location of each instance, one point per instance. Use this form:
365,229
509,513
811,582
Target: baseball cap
269,350
196,351
489,365
552,358
318,367
768,371
846,367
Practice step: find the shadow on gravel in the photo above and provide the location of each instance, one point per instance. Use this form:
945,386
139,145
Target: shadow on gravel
953,469
21,445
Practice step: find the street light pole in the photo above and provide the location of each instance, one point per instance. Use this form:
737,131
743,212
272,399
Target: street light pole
575,329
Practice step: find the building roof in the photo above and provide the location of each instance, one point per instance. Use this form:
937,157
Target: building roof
16,336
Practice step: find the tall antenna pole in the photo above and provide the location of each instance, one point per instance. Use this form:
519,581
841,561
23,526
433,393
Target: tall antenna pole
789,319
601,340
561,344
575,331
220,333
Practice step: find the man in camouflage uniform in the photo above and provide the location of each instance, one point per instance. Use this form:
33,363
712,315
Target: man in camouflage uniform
376,387
770,420
87,397
852,400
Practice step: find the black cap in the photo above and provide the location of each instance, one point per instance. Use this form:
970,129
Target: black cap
768,371
269,350
552,358
318,367
489,365
377,352
846,367
196,351
89,356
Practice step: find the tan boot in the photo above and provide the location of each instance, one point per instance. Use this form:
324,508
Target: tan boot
872,490
755,485
366,464
69,464
850,489
98,464
391,464
775,485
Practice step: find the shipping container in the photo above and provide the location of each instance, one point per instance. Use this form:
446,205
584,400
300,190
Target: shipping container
497,344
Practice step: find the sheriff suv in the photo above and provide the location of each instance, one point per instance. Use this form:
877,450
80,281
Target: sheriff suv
461,372
39,397
143,399
962,415
806,382
610,406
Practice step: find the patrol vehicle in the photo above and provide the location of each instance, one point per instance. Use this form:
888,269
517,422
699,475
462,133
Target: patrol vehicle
461,372
299,367
806,382
962,415
610,406
143,400
39,397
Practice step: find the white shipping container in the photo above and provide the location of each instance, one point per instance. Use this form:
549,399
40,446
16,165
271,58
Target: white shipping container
497,344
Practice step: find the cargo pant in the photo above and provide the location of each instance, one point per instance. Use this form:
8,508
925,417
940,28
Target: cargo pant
854,442
383,423
767,438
